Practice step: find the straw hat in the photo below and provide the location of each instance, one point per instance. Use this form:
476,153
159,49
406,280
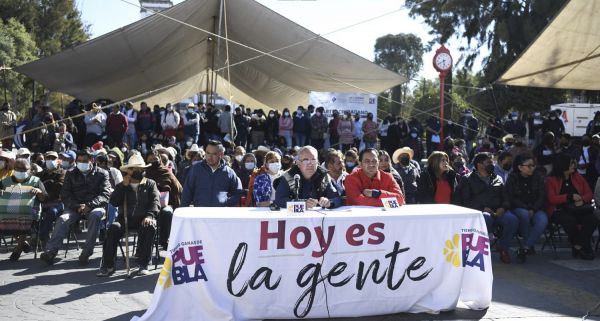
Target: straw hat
135,161
400,151
508,138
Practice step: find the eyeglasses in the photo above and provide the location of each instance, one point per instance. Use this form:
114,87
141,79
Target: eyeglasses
307,161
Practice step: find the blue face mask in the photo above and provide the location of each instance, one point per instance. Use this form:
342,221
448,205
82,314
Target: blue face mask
83,167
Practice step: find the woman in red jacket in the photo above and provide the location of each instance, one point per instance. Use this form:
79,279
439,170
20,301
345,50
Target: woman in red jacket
569,200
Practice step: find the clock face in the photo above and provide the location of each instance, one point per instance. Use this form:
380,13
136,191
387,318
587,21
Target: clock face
443,61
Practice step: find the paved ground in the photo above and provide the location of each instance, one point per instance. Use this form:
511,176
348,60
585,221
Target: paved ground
541,289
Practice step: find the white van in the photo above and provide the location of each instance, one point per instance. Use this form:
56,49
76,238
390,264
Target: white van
576,117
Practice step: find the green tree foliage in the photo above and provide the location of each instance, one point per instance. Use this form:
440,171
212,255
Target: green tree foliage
426,99
401,53
34,29
55,24
505,28
16,48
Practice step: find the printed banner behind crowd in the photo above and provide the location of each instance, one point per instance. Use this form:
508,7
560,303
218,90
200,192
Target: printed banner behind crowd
361,103
247,263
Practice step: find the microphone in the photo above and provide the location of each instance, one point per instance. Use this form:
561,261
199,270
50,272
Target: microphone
296,186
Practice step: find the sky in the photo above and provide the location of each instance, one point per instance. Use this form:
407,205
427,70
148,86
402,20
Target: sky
319,16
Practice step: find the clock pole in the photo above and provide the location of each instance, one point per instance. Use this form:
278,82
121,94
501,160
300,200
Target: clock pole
442,62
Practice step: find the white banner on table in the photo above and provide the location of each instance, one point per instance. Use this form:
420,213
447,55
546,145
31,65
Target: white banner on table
244,264
361,103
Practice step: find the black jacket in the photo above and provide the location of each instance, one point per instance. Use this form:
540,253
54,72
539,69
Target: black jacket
477,194
427,185
525,192
92,189
142,203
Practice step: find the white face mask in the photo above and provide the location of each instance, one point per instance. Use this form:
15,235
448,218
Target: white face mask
124,150
84,167
188,144
21,175
66,165
2,164
190,110
134,185
50,164
274,167
238,158
286,114
249,166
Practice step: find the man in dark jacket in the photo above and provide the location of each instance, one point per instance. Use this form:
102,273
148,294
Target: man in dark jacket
140,194
211,183
53,178
85,194
484,191
315,186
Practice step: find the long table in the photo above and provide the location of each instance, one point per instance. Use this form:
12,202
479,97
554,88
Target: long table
252,263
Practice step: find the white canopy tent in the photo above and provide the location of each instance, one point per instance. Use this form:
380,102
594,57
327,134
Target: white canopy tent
160,60
565,55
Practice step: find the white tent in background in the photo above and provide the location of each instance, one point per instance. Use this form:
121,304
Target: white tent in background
565,55
160,60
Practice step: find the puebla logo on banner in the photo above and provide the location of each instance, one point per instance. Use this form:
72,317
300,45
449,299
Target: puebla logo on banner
467,249
184,265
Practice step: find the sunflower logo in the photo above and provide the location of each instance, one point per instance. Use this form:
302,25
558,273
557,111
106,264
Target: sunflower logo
164,279
451,251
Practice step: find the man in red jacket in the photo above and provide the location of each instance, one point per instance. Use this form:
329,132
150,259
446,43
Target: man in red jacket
368,185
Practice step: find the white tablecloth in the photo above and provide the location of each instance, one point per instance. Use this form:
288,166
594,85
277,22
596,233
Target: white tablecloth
249,263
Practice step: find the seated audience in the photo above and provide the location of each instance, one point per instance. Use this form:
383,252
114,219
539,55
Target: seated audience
482,190
526,193
85,194
568,198
18,220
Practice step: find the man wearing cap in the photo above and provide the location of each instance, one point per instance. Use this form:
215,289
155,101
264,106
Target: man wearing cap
191,123
139,195
8,122
211,183
85,194
409,173
469,129
67,160
53,177
367,185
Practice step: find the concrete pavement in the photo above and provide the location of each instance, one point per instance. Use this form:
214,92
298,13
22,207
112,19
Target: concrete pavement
541,289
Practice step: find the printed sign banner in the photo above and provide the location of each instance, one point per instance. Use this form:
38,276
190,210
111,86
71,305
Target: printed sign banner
361,103
249,263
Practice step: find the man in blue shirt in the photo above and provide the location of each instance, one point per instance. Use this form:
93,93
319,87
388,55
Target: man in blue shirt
211,183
